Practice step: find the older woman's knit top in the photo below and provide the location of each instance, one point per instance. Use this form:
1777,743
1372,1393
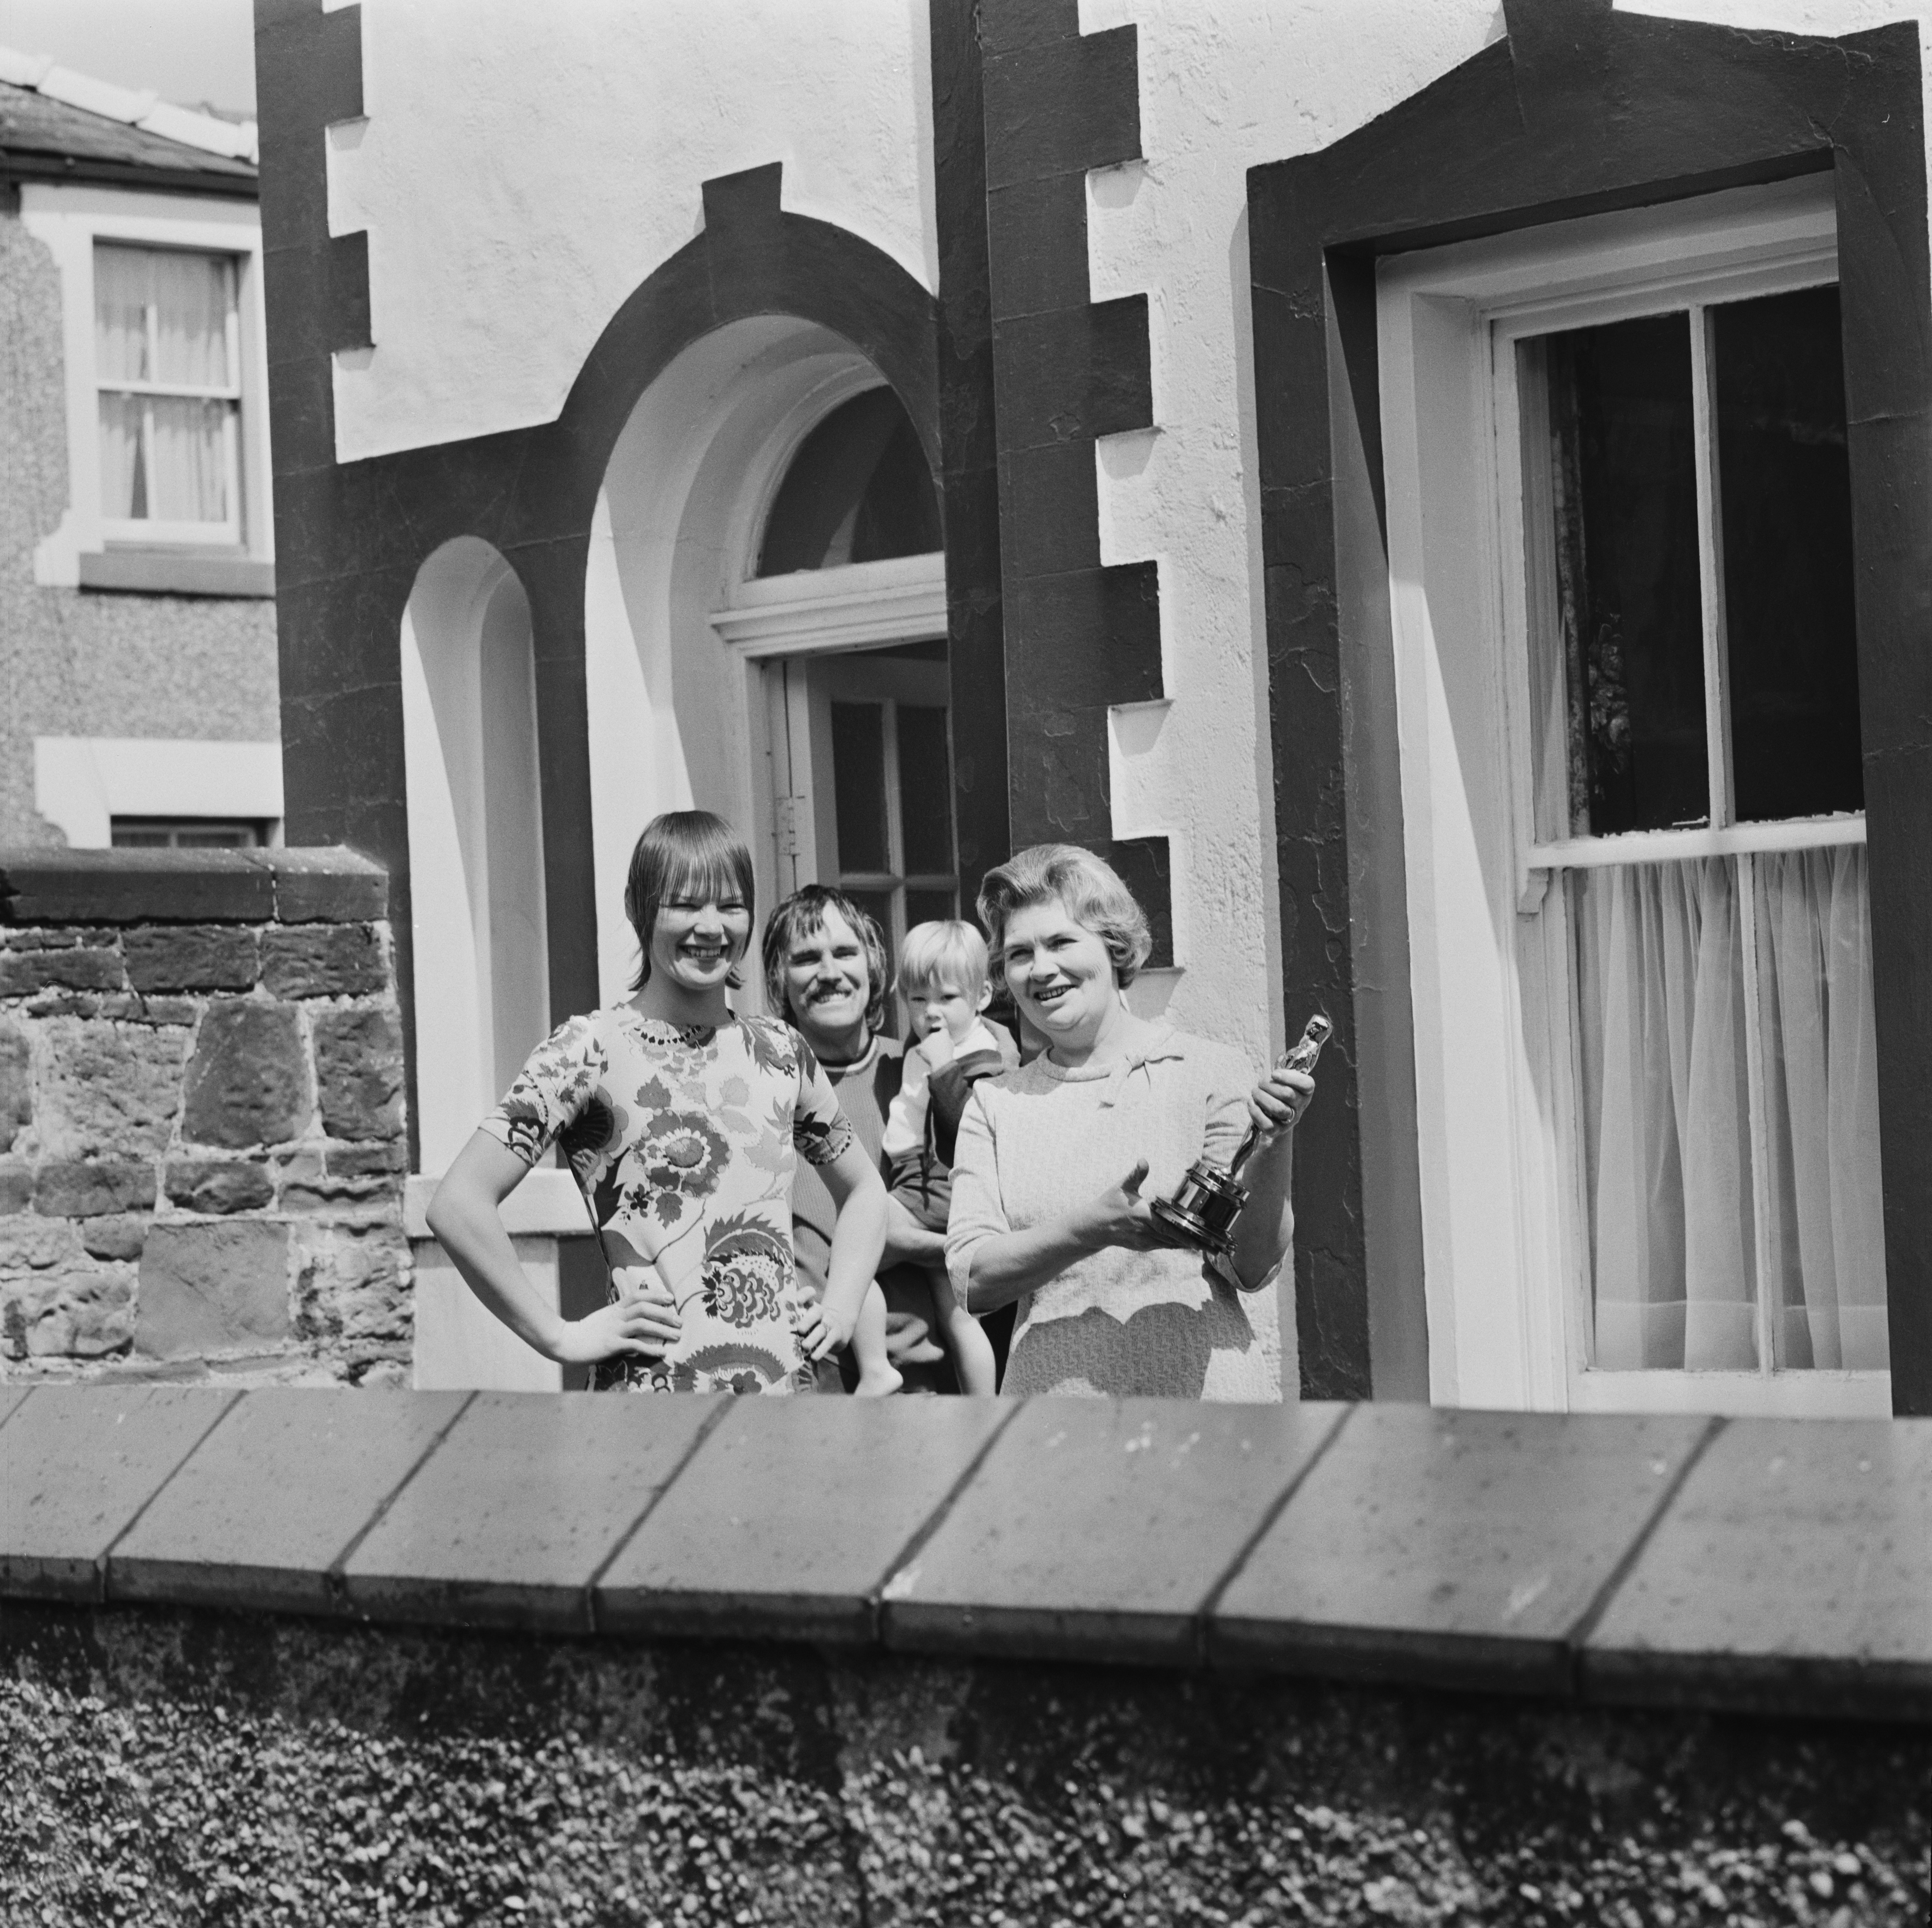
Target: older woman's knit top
1036,1142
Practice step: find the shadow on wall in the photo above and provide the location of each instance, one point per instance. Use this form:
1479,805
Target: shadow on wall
482,979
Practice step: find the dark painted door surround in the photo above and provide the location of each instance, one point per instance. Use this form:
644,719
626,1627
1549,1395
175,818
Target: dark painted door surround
1577,110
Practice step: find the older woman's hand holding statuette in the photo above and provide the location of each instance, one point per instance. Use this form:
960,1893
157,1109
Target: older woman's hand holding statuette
1205,1205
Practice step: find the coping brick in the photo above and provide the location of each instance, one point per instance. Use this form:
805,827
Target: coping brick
222,1532
790,1515
133,887
1450,1547
510,1519
327,884
1100,1529
1793,1571
81,1462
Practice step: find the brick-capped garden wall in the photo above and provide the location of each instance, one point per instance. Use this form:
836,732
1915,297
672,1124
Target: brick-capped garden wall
201,1129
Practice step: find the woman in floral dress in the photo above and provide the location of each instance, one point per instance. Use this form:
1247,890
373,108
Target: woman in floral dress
682,1123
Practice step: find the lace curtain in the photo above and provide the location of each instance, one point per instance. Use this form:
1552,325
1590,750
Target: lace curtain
1680,1184
163,317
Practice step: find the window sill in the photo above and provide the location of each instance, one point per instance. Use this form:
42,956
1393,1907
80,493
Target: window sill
166,572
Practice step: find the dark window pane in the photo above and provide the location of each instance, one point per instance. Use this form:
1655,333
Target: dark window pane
925,792
898,514
858,490
191,833
1785,483
1624,482
859,784
235,837
929,906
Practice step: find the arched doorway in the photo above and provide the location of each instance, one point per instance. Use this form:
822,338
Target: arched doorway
765,626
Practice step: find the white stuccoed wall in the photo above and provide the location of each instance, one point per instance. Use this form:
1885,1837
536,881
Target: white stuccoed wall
523,166
1223,86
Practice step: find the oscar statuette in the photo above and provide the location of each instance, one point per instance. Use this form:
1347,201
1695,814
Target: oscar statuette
1207,1201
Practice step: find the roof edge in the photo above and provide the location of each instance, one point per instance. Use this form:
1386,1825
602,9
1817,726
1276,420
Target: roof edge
186,127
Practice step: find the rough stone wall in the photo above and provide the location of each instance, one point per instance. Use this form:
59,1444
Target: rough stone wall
83,662
201,1153
164,1767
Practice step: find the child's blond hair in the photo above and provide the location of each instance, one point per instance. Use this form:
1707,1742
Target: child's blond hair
931,950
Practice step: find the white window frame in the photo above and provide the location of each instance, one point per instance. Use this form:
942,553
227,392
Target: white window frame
1506,1266
70,221
138,529
808,617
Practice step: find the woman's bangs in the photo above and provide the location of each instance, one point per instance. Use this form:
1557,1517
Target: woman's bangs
707,876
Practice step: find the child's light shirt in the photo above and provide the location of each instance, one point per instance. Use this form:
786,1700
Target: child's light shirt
905,1122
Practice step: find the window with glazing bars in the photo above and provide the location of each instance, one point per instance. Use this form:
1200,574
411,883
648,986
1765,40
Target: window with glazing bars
167,368
1698,800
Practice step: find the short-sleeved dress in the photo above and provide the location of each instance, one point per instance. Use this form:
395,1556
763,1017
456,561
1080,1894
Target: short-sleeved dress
683,1142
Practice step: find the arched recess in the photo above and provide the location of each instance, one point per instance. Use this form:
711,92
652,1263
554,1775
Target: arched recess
481,987
353,536
750,333
674,627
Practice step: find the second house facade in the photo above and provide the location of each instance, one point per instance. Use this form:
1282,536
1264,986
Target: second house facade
138,695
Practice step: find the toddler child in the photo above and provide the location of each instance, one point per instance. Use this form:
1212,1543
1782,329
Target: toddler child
943,978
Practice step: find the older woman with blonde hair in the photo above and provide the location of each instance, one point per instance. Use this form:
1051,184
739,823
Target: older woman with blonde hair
1058,1163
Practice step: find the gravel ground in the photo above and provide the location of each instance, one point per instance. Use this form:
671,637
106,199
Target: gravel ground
163,1767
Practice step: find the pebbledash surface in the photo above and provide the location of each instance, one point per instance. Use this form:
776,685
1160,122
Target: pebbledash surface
356,1654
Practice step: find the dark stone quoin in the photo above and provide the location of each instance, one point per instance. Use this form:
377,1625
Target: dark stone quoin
1067,369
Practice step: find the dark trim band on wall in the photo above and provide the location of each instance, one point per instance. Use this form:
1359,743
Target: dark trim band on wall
1067,369
969,454
350,538
1580,110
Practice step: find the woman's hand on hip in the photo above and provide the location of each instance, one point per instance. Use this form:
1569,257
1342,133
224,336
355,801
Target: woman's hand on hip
1277,1102
641,1324
1119,1216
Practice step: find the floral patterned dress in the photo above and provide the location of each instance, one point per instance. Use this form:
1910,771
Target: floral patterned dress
684,1143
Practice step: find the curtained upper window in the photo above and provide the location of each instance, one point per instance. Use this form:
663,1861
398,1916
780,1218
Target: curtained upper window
167,367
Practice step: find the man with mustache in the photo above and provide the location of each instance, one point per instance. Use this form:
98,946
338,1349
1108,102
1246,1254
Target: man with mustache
825,970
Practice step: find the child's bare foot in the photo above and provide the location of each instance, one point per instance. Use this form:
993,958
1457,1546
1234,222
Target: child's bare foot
878,1382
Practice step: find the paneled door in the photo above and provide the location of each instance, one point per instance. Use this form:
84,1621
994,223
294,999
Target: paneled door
862,781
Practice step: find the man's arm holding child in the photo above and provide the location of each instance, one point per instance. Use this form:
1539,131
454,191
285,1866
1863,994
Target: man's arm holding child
858,1194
